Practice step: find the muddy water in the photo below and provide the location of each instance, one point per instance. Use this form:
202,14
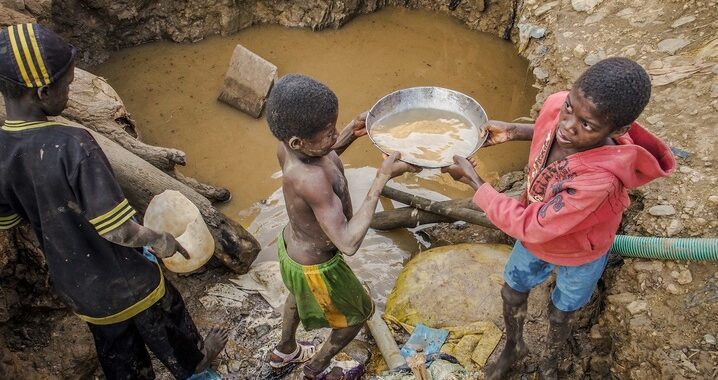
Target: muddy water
426,137
171,91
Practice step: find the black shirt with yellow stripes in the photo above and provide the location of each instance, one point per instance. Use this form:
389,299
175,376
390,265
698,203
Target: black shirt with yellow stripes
57,178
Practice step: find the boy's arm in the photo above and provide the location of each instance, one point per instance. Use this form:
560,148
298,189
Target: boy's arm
131,234
540,222
347,236
104,205
350,133
500,132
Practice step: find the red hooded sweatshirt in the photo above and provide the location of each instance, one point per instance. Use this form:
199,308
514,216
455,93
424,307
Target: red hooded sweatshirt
572,208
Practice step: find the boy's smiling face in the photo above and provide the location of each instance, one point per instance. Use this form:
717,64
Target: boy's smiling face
581,127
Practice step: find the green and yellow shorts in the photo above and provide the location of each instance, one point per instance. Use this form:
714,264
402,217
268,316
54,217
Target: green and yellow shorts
327,294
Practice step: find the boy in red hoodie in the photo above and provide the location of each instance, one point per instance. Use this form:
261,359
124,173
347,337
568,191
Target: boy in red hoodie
586,152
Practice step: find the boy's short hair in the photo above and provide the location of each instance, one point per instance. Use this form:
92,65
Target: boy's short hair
300,106
619,87
31,56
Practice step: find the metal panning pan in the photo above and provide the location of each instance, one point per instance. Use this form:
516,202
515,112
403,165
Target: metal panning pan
436,98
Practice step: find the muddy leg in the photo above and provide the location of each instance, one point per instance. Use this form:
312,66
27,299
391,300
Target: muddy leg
213,344
515,305
338,339
558,332
290,322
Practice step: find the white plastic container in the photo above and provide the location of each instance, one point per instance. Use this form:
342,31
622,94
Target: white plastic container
172,212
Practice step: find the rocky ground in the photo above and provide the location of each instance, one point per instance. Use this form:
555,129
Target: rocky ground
660,316
653,319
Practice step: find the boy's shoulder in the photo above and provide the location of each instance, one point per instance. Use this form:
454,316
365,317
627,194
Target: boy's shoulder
308,180
73,138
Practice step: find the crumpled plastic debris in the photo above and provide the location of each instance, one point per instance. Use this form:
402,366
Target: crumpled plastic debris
439,370
265,279
226,295
424,339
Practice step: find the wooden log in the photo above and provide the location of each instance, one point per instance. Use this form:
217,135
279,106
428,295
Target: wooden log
95,104
235,247
410,217
213,193
406,217
436,207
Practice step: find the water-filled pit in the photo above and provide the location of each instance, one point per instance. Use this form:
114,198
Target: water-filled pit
171,89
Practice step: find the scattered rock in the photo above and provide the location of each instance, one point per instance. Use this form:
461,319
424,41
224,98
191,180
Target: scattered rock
639,321
648,266
262,330
710,339
684,277
585,5
673,289
682,21
657,64
621,298
594,18
690,204
672,45
528,31
359,351
713,199
540,73
674,228
248,81
626,12
685,169
234,366
662,210
653,119
637,306
510,180
595,332
594,57
546,7
579,51
630,52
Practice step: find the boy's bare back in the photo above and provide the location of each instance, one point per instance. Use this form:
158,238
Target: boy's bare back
315,181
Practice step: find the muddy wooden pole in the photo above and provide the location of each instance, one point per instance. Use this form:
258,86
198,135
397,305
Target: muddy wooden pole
141,181
454,211
406,217
410,217
95,104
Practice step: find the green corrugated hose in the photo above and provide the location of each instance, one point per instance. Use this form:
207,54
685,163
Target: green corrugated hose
667,248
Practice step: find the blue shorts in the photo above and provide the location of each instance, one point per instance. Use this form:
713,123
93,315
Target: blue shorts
574,285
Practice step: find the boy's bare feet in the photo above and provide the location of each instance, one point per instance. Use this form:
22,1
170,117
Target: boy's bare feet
213,344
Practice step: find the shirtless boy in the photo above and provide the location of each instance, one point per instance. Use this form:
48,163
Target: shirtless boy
324,292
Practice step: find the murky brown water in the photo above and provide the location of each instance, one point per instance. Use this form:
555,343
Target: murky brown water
171,91
426,137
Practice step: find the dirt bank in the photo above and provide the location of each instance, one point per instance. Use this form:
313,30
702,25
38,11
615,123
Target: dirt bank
658,319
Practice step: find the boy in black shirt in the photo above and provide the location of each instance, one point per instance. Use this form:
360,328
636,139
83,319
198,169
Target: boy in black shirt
57,178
